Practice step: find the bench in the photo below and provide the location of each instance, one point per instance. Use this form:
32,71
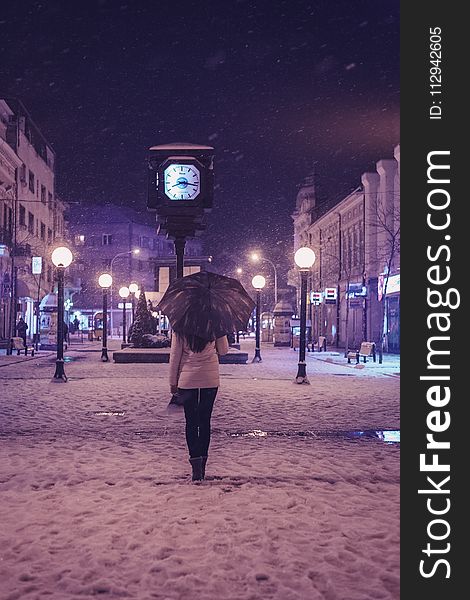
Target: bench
366,351
320,344
16,343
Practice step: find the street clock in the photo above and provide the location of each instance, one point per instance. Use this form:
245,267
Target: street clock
180,179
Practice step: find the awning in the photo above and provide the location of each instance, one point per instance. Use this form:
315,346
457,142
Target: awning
48,303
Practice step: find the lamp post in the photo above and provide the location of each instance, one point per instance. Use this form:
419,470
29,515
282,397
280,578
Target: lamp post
61,258
257,257
258,282
135,251
105,281
304,259
124,293
133,288
239,272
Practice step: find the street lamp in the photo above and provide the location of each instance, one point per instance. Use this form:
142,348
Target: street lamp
61,258
258,282
105,281
304,259
124,293
255,257
135,251
133,288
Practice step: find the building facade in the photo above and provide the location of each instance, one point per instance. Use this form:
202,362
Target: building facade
32,217
354,291
124,243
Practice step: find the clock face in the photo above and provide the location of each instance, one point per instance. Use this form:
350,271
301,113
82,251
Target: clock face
182,182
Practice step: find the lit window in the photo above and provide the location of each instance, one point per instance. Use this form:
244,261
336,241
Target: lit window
79,239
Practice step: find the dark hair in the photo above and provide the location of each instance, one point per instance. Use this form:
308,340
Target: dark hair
195,343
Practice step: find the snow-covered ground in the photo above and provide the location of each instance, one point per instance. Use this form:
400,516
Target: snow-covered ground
95,498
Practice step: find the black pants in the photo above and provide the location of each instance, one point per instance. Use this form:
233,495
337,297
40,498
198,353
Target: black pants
198,404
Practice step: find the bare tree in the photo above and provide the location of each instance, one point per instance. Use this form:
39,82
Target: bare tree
387,225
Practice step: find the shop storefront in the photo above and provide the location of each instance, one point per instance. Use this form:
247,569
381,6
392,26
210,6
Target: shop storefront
392,311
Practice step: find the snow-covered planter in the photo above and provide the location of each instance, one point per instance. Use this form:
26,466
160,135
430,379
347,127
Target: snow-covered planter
155,341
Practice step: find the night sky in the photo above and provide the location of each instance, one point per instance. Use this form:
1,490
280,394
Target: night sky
276,87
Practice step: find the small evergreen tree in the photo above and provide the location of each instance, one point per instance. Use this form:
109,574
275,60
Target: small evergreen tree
142,323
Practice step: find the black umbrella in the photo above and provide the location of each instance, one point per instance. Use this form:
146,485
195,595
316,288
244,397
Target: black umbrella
207,305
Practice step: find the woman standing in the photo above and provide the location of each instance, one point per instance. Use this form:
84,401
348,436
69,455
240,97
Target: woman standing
194,377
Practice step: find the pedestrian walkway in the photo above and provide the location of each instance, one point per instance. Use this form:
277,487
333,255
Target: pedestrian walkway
301,501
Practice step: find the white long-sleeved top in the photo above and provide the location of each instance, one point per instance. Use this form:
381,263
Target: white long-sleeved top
189,370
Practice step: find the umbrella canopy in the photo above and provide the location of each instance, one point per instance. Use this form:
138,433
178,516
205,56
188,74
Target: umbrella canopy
207,305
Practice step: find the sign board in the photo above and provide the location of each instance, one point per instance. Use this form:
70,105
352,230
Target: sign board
330,295
316,298
356,302
296,322
128,304
357,290
36,265
393,285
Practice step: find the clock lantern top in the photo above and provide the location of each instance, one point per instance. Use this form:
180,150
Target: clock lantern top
180,179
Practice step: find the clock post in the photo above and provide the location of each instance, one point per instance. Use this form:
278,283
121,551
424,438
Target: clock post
180,192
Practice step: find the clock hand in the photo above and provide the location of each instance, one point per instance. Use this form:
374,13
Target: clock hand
185,183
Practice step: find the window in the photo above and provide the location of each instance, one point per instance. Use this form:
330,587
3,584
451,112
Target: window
49,235
107,239
143,241
43,194
43,231
23,174
22,215
140,265
49,200
79,239
355,243
31,181
30,223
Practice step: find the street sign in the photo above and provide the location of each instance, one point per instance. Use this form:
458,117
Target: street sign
36,265
357,290
330,295
316,298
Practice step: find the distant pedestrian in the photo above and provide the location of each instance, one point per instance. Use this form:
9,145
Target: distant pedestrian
66,334
21,328
76,325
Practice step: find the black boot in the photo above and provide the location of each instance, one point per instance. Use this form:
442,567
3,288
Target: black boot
203,466
196,464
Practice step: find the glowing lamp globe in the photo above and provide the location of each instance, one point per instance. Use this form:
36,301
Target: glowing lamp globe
62,257
105,280
133,288
124,292
304,258
258,282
